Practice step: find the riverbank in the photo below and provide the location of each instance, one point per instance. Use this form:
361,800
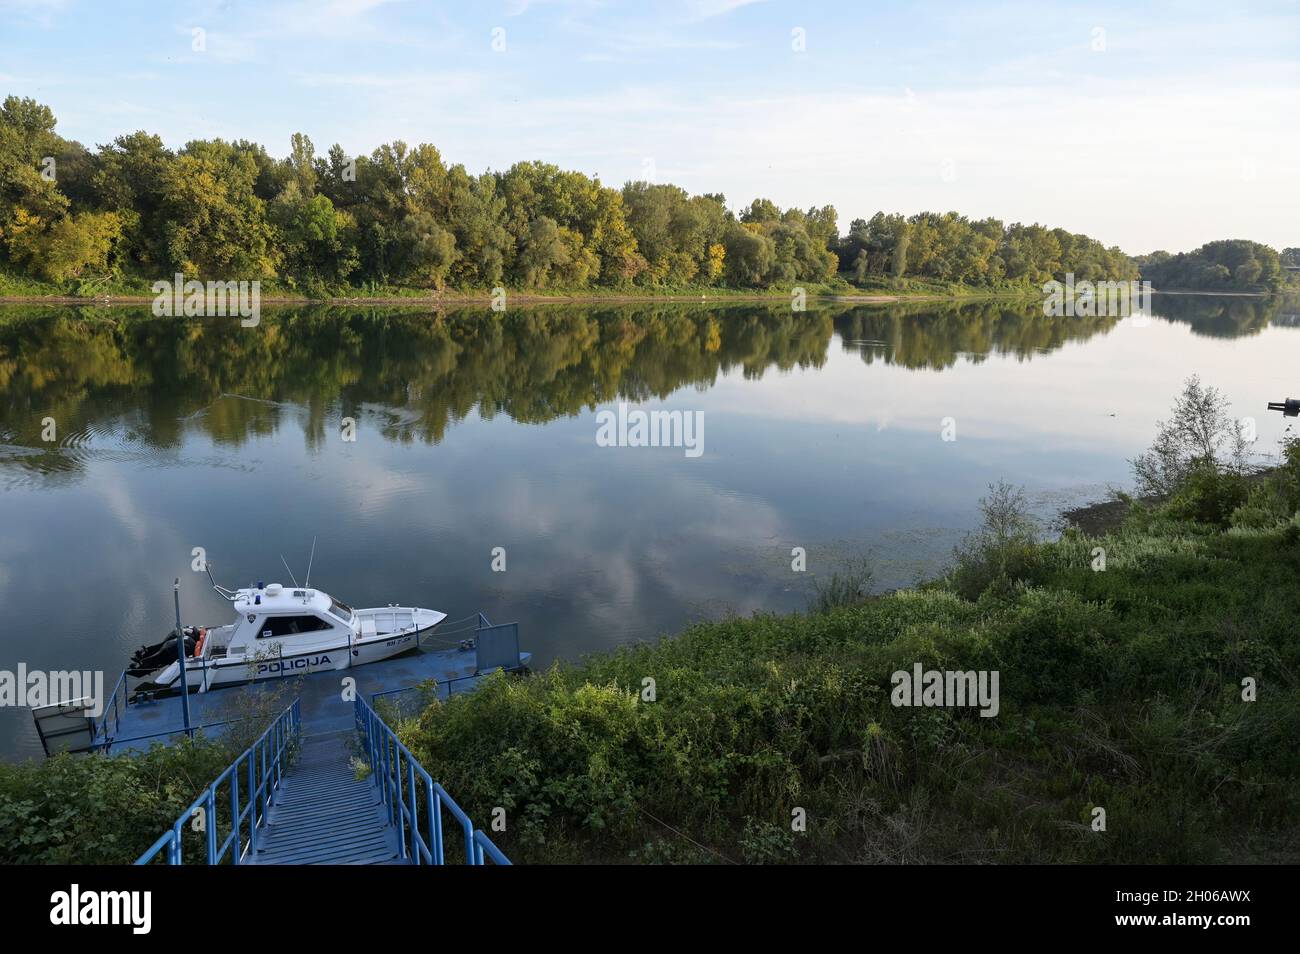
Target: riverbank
1103,516
137,291
1147,711
484,299
517,298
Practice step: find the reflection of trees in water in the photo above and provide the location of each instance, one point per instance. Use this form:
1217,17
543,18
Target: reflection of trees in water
1222,316
929,335
152,380
926,335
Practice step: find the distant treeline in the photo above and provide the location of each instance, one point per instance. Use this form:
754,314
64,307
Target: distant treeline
134,209
952,248
1227,265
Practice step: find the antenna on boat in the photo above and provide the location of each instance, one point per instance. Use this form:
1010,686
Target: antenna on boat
286,566
227,594
307,582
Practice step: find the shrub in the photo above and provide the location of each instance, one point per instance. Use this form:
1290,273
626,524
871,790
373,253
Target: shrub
1201,435
846,587
1262,508
1003,549
1207,495
100,809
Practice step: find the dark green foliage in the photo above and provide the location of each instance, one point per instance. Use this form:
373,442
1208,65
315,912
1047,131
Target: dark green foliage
109,809
98,809
1208,495
1226,265
952,248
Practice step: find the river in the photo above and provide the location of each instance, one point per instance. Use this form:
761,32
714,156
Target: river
456,459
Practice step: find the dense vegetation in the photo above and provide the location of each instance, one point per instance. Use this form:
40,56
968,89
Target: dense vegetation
1121,689
954,249
108,809
133,211
1228,265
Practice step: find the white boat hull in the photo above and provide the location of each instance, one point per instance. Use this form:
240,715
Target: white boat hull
384,632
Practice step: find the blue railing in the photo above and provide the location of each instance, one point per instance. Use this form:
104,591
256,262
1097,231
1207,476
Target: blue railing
120,700
430,685
264,762
402,781
111,708
107,744
483,845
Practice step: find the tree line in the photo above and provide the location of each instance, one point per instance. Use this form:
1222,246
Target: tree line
403,217
1227,265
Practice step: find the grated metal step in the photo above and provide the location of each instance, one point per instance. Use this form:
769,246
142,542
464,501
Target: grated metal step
324,815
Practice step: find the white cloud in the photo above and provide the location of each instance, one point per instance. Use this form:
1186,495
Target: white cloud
707,9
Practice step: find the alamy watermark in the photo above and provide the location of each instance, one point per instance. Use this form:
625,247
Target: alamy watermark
38,688
638,428
196,299
126,908
946,689
1087,299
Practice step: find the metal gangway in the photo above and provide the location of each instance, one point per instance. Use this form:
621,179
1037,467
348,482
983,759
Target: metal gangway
295,799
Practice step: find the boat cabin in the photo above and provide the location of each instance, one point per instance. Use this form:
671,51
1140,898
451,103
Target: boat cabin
275,613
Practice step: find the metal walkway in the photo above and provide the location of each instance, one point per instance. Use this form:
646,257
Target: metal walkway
324,814
295,799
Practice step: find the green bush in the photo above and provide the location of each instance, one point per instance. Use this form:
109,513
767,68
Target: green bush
1208,495
100,809
1263,507
1002,550
845,587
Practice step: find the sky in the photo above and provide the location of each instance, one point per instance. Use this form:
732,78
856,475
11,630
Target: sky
1145,125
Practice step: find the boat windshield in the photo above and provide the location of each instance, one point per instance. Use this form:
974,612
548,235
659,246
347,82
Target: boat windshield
342,610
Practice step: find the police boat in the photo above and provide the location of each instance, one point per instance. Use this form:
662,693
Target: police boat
280,631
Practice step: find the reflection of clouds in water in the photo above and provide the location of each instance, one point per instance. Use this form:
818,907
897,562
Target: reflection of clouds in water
633,560
527,509
370,488
606,552
117,498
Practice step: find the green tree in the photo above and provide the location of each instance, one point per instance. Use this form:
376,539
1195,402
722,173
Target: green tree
67,248
215,225
27,141
128,179
318,242
750,255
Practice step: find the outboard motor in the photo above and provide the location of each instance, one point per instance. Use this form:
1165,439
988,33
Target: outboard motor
1289,408
149,659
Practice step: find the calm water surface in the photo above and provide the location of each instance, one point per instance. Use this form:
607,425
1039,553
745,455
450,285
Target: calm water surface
822,430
